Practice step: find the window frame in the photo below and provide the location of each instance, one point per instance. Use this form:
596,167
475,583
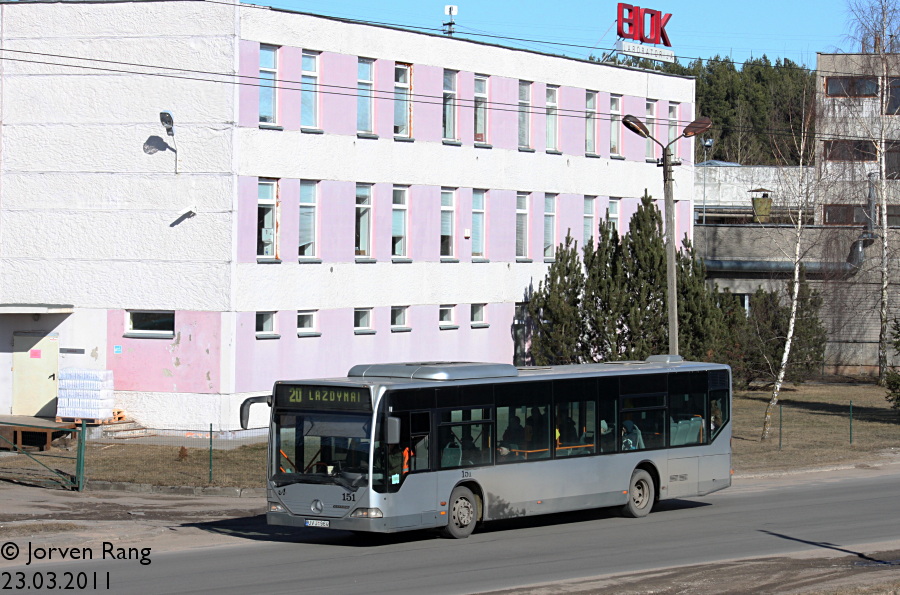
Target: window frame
673,126
615,125
590,122
311,207
480,102
309,90
650,107
364,325
551,120
524,114
589,228
269,320
550,207
363,251
447,317
612,212
131,331
268,204
365,96
522,214
449,104
479,223
403,324
403,101
856,87
448,214
313,329
401,209
268,74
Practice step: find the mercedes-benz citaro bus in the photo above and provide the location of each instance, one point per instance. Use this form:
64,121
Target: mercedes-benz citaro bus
397,447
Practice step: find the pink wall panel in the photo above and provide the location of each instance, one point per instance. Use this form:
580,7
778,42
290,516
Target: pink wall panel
538,117
289,65
261,362
425,223
187,363
246,233
336,240
288,218
501,225
465,85
632,144
382,197
428,85
603,115
502,115
535,226
248,94
570,218
338,97
571,120
384,94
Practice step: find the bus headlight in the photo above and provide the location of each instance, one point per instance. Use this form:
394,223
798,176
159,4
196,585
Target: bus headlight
276,507
367,513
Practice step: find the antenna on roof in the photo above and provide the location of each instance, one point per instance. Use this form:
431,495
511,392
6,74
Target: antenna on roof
450,10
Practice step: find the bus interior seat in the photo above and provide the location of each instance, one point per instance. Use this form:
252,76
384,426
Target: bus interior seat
451,456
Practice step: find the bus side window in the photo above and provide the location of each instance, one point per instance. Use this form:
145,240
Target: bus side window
687,405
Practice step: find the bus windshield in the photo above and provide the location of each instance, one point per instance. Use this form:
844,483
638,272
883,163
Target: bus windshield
322,448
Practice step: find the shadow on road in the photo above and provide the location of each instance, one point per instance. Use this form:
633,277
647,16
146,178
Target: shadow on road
254,528
835,547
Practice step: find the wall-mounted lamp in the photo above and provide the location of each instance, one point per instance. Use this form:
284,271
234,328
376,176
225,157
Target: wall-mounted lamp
168,122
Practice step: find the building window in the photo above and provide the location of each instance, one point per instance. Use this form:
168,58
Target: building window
850,150
268,75
590,122
363,219
398,221
445,315
524,114
306,322
402,105
477,314
615,125
673,127
265,324
612,213
449,103
398,316
448,202
588,236
307,219
552,112
481,111
650,121
362,319
309,90
151,323
851,86
522,225
365,75
478,202
893,215
845,215
892,108
549,225
266,217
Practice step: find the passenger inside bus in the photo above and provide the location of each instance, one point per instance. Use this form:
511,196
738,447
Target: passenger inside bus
514,436
631,436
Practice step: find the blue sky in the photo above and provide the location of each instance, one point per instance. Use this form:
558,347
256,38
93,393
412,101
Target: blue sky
779,29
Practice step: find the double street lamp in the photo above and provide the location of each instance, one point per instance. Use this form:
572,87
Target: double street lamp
696,127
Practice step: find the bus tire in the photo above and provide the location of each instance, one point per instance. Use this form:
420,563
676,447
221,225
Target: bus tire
640,495
462,513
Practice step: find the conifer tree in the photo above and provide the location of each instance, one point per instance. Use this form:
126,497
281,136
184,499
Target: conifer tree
604,298
555,310
645,322
701,321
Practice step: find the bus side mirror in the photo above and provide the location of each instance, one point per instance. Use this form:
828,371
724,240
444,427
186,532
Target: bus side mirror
245,408
393,430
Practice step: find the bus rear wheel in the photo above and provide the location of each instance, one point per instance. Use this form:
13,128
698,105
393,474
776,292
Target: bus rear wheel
463,513
641,495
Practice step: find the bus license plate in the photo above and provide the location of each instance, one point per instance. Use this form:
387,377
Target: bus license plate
314,523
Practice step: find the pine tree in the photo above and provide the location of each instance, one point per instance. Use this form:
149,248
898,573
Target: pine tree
555,310
645,321
701,322
808,350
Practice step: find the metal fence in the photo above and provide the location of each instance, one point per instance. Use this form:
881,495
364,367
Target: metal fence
49,455
198,458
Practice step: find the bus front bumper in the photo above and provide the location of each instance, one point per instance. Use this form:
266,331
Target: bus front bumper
343,523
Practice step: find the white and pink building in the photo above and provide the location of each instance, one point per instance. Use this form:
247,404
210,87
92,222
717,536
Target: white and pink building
334,193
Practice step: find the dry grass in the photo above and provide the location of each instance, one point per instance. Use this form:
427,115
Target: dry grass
816,427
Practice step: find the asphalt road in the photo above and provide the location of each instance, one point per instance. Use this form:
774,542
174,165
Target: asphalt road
837,514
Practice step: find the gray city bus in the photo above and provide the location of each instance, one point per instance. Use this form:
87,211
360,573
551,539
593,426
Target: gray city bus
397,447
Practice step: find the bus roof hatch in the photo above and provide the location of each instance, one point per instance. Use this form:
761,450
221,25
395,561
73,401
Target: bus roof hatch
434,370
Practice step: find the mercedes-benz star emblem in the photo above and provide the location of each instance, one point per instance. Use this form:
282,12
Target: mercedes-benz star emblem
317,506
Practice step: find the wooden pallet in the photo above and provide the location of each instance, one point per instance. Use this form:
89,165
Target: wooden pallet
118,416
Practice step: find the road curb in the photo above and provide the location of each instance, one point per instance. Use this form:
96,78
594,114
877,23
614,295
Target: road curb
146,488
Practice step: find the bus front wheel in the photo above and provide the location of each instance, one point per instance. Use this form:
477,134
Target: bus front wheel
640,495
463,513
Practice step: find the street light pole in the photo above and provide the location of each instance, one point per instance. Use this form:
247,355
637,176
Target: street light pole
696,127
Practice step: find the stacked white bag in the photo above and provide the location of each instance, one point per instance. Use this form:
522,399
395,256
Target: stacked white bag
85,393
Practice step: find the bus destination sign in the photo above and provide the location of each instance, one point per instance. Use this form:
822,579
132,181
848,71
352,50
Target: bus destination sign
334,398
